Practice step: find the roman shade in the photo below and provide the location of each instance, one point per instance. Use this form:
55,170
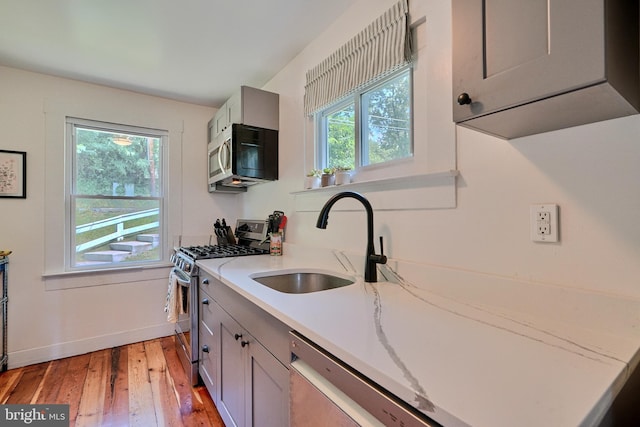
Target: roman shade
383,46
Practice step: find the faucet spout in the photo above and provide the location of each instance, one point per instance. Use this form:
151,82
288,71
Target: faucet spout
371,258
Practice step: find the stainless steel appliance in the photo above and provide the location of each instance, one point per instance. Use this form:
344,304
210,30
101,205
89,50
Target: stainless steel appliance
188,275
242,156
325,388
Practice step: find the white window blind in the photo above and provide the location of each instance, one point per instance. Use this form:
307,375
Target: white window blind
381,47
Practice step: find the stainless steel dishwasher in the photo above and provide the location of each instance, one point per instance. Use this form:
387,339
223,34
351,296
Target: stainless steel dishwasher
327,392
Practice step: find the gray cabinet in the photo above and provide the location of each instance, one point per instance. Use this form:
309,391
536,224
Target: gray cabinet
249,106
253,389
232,393
268,386
208,340
245,363
522,67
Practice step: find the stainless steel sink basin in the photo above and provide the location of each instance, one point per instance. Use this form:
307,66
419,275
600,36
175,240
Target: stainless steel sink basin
302,282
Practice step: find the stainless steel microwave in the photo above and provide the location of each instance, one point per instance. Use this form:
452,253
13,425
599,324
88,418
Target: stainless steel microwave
242,156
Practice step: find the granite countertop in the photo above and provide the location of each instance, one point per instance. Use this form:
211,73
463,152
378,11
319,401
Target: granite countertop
467,349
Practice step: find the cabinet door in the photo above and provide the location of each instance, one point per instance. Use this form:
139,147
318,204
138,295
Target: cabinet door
221,119
511,52
267,388
209,344
234,108
211,130
231,376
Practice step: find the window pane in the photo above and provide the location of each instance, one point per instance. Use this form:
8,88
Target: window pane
341,136
116,197
113,164
387,121
116,230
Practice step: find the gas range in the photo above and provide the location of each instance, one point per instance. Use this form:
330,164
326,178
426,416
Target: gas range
249,239
220,251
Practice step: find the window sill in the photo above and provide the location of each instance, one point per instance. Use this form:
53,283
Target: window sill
435,190
99,277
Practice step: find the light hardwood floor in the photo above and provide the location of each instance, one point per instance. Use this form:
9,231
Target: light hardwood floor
140,384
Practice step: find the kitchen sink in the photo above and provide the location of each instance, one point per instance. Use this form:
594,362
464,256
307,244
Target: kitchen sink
301,282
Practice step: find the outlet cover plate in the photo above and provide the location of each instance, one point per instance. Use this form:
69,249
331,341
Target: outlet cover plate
544,223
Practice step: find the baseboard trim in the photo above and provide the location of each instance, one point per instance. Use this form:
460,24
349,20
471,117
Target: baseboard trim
21,358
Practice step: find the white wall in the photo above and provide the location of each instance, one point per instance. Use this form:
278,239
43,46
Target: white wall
591,172
45,324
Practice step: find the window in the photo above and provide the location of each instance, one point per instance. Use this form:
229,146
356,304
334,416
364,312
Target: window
115,195
372,126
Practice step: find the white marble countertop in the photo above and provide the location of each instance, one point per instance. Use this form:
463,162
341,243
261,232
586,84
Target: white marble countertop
465,348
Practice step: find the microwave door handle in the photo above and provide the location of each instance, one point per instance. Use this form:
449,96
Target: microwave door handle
227,145
220,157
223,161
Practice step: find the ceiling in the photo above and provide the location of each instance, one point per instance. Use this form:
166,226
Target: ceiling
198,51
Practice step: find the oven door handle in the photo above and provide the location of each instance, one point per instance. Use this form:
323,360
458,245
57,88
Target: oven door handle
180,277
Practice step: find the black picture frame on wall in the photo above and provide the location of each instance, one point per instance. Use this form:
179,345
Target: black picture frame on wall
13,174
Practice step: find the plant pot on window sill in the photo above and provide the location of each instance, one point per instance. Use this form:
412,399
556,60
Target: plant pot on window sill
343,177
327,179
311,182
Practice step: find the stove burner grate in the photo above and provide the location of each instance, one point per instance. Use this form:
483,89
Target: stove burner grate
220,251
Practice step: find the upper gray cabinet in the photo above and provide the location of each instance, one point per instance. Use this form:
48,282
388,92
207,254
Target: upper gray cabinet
522,67
249,106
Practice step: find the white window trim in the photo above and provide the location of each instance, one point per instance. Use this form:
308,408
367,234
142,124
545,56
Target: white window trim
55,226
71,123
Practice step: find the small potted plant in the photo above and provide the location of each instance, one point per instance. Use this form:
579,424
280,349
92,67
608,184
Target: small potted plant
312,180
328,177
343,175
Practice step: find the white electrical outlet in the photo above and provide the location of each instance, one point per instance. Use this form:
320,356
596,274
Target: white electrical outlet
544,223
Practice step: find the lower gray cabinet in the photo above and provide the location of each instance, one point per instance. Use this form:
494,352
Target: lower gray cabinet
249,384
253,386
209,349
232,393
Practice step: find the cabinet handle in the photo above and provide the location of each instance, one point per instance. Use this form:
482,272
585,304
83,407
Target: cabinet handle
205,349
205,281
237,336
464,98
244,343
205,301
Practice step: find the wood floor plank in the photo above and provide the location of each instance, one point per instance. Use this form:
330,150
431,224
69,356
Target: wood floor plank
180,380
141,411
116,401
213,418
72,384
196,406
164,394
52,381
182,384
28,384
91,405
36,393
8,381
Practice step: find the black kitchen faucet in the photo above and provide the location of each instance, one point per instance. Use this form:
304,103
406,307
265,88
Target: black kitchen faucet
371,258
